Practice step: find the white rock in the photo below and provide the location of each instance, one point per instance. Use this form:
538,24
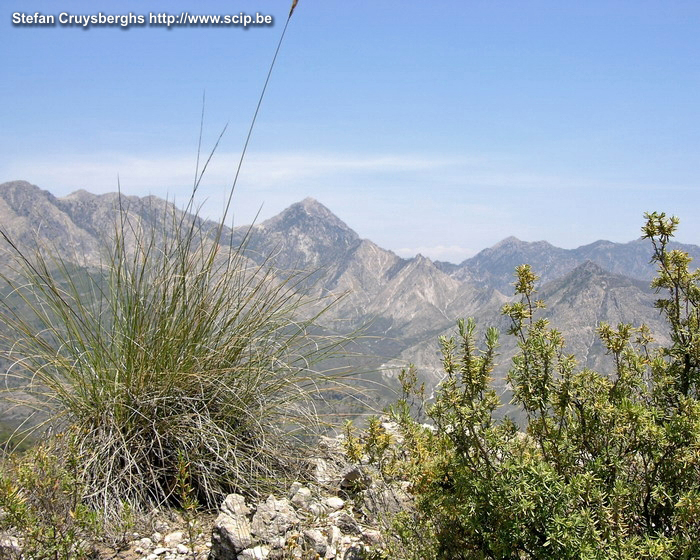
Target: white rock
182,549
324,473
336,535
160,550
257,553
334,444
232,534
293,489
335,503
302,496
316,508
161,526
235,505
273,518
10,545
345,522
172,539
317,540
278,543
372,536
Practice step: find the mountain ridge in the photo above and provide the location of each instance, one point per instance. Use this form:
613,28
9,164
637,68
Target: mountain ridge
402,304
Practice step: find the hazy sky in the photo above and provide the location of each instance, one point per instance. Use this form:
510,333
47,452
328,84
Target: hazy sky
437,127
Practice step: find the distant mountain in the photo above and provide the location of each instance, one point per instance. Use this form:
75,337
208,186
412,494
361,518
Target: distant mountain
403,304
576,304
305,236
27,213
494,266
590,295
77,225
631,259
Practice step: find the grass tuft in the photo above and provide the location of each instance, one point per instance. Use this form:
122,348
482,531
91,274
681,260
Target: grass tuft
177,351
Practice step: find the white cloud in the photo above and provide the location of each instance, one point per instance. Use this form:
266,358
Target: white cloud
412,201
99,172
270,172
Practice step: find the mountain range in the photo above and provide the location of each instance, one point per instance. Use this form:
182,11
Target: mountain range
403,305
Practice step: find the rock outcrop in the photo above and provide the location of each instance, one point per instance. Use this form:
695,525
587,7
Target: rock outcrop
336,515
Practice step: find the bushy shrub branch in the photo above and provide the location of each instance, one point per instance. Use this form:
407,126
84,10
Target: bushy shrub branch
608,466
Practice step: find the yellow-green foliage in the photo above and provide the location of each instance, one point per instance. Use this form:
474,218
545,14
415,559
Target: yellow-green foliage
608,466
41,501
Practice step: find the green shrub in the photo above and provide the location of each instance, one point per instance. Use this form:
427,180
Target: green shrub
178,351
608,466
41,501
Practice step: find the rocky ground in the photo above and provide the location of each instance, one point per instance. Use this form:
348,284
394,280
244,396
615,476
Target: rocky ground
338,514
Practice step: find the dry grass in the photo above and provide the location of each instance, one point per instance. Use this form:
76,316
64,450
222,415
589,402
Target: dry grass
178,349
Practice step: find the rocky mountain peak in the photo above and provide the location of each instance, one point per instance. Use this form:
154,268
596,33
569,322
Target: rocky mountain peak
495,266
313,206
589,268
515,244
20,195
600,244
510,241
419,259
590,275
406,302
18,186
312,216
80,195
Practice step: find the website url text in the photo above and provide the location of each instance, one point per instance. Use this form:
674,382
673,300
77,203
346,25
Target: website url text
160,19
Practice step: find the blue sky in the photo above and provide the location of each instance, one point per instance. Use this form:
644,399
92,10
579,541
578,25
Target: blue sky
435,127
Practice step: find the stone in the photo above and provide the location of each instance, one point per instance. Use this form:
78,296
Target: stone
284,529
354,552
278,542
182,549
332,444
294,488
256,553
273,518
372,537
302,497
335,542
353,480
230,536
317,540
174,538
334,503
160,526
9,547
324,473
316,509
234,505
160,550
346,523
